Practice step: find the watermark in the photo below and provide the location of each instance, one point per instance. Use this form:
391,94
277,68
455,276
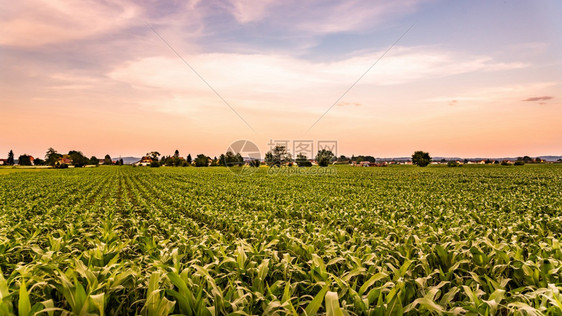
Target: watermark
307,148
304,148
310,171
242,157
328,145
284,157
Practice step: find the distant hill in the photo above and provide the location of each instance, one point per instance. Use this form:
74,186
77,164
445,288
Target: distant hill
129,160
550,158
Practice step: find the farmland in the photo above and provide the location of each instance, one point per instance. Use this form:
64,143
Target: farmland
203,241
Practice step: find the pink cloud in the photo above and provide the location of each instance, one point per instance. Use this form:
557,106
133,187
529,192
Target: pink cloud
34,23
534,99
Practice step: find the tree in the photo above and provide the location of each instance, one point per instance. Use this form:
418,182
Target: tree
343,158
10,158
215,162
167,161
170,161
179,161
361,158
239,159
201,161
176,153
453,163
302,161
255,163
175,161
39,162
78,159
278,156
268,158
189,159
94,161
24,160
421,158
52,157
229,159
324,157
120,161
154,155
107,160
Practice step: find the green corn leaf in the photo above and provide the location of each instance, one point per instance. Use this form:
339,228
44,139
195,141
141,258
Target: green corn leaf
263,268
99,302
24,304
377,277
313,307
395,307
332,304
4,292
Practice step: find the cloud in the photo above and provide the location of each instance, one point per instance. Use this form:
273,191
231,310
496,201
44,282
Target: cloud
285,83
407,64
499,94
278,73
246,11
534,99
320,16
349,15
36,22
349,103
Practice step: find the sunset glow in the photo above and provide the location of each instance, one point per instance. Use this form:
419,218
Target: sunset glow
470,79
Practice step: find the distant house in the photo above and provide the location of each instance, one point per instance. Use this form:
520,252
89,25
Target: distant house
65,159
145,161
3,162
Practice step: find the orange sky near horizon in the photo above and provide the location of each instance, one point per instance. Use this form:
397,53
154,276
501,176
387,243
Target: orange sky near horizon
478,80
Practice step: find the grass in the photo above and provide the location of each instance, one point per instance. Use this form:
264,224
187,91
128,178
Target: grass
367,241
13,169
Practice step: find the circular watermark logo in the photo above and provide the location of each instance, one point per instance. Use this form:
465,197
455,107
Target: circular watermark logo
242,157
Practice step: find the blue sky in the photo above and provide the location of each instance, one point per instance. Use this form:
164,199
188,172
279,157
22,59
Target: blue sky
456,83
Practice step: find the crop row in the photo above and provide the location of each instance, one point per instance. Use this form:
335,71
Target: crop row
122,240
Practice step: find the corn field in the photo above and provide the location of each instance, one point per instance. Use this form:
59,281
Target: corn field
478,240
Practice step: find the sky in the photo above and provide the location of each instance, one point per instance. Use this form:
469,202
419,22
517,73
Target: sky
382,78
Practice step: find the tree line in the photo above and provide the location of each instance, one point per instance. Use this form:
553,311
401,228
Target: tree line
277,156
57,160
